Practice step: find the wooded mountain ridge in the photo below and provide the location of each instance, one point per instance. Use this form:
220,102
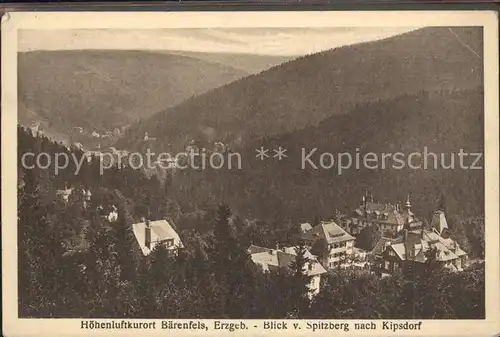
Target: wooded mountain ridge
305,91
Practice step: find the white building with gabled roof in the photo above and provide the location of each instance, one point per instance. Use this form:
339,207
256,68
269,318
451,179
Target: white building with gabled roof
149,234
340,243
270,259
64,194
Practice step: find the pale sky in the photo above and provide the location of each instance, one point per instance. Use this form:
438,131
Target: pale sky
264,41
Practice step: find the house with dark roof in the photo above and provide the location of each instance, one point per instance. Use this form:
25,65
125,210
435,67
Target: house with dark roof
410,251
270,259
390,219
339,243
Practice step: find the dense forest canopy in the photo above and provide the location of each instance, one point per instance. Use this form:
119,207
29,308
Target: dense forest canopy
305,91
72,263
441,122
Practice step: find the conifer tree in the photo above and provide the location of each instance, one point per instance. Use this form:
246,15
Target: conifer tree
299,282
320,249
40,251
124,241
145,291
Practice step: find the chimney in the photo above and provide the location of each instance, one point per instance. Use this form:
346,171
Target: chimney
147,239
411,251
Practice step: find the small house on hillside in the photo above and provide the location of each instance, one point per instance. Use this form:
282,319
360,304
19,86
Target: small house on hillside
64,194
274,259
149,234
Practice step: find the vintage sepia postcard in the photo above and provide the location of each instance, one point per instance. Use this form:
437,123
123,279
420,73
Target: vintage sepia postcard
250,173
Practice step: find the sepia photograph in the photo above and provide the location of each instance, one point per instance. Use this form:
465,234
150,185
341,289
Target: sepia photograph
241,177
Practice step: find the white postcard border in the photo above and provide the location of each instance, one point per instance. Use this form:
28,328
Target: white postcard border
12,22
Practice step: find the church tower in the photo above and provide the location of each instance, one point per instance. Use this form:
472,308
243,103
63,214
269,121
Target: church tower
407,213
408,203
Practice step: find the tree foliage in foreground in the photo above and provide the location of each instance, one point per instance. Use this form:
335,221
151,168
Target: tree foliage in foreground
215,278
74,264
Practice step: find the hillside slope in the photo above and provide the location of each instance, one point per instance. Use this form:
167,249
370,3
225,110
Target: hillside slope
249,63
437,122
305,91
101,90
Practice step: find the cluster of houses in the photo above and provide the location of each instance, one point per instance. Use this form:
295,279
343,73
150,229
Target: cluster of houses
115,133
405,244
107,212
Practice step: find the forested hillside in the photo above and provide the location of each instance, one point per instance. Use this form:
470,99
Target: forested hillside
101,90
73,263
305,91
278,191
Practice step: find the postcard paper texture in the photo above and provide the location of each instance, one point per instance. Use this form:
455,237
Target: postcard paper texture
250,173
